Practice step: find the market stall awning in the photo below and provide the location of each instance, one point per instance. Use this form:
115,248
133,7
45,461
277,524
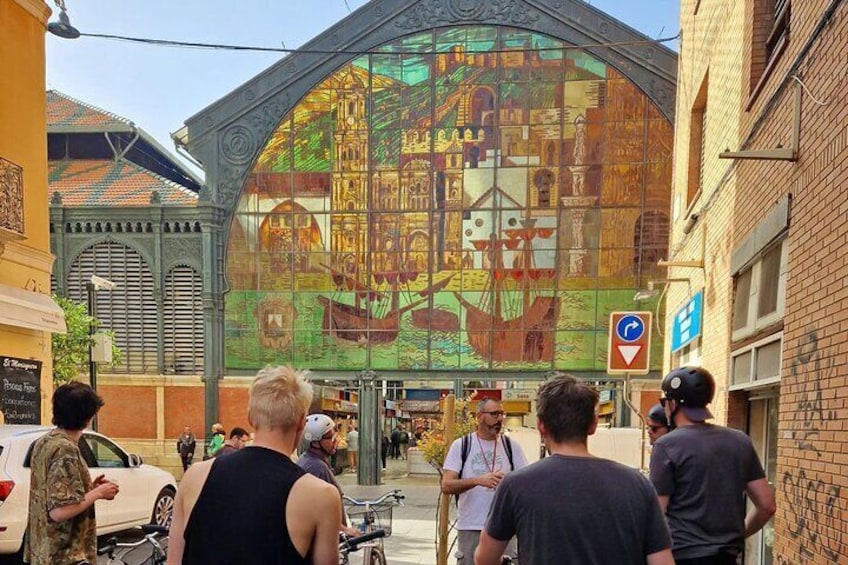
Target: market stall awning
32,310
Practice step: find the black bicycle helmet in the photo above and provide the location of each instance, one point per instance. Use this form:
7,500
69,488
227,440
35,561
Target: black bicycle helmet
657,414
691,387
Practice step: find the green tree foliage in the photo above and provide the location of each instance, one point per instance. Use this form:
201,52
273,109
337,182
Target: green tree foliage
70,350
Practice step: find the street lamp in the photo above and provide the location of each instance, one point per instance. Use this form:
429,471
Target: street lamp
94,284
63,27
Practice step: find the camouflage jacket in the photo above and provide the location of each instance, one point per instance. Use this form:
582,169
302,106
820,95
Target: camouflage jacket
59,476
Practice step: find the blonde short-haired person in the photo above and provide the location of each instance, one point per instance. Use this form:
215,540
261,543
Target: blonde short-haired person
282,514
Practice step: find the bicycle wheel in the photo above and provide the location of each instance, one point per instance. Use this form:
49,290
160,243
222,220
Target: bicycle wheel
374,556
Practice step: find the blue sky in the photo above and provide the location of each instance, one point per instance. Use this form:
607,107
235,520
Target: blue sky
159,88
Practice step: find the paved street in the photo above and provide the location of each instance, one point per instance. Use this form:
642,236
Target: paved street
414,524
413,539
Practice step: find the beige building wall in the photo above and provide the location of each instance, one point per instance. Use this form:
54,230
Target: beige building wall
797,415
710,59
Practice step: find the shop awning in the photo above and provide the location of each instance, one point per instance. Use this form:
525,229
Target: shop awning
32,310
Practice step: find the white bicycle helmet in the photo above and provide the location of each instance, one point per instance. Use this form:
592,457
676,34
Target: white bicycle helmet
317,426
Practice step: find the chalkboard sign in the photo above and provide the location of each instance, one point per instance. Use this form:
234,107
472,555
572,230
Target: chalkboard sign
20,390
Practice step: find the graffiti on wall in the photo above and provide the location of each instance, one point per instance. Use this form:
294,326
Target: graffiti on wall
815,507
464,198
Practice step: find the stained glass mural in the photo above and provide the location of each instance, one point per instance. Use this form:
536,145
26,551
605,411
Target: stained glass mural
467,198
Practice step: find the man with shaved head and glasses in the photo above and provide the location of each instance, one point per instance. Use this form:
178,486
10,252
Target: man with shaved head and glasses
473,469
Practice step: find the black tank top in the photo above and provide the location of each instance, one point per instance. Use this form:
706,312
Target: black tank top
240,515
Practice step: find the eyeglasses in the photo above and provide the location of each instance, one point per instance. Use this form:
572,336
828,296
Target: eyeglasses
495,413
655,429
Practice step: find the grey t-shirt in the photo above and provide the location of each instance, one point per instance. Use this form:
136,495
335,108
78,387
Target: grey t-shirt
316,465
704,470
582,510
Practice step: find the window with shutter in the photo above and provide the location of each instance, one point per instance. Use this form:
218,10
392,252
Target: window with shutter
129,310
183,321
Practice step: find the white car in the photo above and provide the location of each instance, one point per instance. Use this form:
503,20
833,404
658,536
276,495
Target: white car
146,495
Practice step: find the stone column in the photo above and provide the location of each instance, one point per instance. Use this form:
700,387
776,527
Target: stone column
369,466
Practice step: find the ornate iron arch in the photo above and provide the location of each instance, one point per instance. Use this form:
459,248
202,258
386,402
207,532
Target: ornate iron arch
229,135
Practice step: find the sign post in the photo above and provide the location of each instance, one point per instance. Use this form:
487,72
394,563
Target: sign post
629,343
629,353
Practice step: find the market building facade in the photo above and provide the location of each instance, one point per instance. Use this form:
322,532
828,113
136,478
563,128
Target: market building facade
438,193
440,190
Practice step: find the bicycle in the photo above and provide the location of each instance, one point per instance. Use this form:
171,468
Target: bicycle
154,535
371,516
349,544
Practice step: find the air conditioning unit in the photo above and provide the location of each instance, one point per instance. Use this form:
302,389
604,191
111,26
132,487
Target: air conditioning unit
101,350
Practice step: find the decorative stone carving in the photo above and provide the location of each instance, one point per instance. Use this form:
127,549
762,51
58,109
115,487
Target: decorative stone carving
155,197
56,198
11,197
205,195
229,187
269,115
182,251
238,144
431,13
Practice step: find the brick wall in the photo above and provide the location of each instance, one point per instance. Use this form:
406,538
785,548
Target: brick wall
811,525
146,413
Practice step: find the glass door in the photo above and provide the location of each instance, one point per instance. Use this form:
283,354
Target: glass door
762,428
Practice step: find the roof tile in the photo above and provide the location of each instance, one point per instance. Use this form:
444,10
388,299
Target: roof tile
67,112
112,183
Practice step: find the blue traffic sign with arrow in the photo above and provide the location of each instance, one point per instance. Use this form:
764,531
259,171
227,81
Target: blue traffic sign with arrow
630,328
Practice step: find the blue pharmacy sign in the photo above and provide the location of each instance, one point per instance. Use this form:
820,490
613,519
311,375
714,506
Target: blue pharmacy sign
687,322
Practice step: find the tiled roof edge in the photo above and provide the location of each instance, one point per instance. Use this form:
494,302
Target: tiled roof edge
115,117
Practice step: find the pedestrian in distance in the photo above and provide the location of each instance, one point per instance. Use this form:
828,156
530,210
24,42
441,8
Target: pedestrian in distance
320,432
281,514
474,467
701,473
216,442
403,439
384,448
238,439
352,446
394,438
573,507
62,527
657,423
186,445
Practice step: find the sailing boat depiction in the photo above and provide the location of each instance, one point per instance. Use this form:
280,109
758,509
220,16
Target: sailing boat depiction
378,320
513,324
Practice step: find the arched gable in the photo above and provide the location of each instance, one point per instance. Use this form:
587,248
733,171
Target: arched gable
229,135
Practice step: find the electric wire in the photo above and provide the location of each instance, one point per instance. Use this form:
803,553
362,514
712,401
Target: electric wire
807,90
375,51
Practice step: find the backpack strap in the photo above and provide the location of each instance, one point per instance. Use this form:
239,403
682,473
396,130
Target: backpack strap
466,449
508,449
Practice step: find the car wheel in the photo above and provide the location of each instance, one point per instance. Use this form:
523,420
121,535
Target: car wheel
163,508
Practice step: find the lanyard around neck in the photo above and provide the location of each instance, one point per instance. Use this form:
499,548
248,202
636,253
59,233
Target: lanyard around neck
483,453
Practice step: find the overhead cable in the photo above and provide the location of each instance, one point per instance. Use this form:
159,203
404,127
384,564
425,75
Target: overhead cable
375,51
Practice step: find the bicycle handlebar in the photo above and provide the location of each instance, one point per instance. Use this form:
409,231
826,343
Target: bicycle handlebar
154,529
151,532
351,543
396,494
